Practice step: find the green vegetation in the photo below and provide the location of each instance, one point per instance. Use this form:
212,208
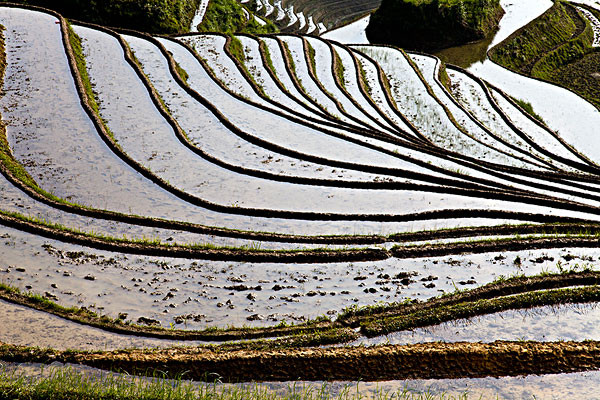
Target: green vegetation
444,78
182,72
522,50
311,56
528,108
555,47
228,16
339,69
77,48
91,96
67,383
437,315
364,80
235,48
433,24
156,16
315,332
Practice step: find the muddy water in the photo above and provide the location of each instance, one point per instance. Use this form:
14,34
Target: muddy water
228,293
23,326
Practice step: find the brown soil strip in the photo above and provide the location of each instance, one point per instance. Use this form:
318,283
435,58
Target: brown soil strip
550,229
421,361
494,246
511,286
217,254
429,317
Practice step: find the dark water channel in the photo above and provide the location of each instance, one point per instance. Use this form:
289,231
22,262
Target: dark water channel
467,54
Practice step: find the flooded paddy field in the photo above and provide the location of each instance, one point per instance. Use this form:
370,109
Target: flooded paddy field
293,198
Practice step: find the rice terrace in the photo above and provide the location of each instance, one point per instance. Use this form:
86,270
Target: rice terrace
299,199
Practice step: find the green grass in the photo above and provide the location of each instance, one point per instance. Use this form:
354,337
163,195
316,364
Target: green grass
91,96
523,49
339,69
311,56
363,76
433,24
528,108
451,312
228,16
67,383
235,48
156,16
444,78
182,72
554,49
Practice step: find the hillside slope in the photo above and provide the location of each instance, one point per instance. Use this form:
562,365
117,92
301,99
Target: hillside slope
433,24
557,47
156,16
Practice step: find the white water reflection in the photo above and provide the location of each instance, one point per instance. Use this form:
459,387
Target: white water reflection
575,322
576,120
353,33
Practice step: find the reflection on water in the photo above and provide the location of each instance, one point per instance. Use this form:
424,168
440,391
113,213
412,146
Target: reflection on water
517,14
467,54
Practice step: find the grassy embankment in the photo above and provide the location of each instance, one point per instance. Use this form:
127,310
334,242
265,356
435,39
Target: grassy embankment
156,16
70,384
433,24
555,47
228,16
